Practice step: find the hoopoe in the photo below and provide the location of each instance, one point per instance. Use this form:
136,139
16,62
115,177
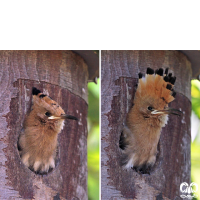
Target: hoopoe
37,142
140,136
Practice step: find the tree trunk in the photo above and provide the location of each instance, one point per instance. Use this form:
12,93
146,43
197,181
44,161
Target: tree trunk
63,76
119,78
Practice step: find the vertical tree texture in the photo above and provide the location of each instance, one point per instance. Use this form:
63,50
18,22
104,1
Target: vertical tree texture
119,78
63,76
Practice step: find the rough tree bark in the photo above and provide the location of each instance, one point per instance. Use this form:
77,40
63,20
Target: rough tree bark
119,77
63,75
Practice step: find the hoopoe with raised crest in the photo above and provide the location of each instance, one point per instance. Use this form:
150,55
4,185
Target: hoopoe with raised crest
37,142
140,136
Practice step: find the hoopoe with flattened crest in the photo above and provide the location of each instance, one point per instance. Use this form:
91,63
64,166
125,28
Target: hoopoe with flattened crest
140,136
37,142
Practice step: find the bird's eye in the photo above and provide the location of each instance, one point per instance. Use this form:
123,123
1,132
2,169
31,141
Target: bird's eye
48,114
150,108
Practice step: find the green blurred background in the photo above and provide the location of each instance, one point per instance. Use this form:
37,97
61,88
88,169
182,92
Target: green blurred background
195,144
93,141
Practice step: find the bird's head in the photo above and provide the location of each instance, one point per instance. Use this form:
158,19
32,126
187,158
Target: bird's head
46,109
154,93
156,108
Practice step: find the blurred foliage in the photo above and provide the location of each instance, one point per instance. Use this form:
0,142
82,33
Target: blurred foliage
93,141
195,92
195,145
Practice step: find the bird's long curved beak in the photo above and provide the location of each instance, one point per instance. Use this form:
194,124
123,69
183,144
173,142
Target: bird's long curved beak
63,117
167,111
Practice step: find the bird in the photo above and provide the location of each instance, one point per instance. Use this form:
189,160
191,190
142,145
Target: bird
149,113
37,143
